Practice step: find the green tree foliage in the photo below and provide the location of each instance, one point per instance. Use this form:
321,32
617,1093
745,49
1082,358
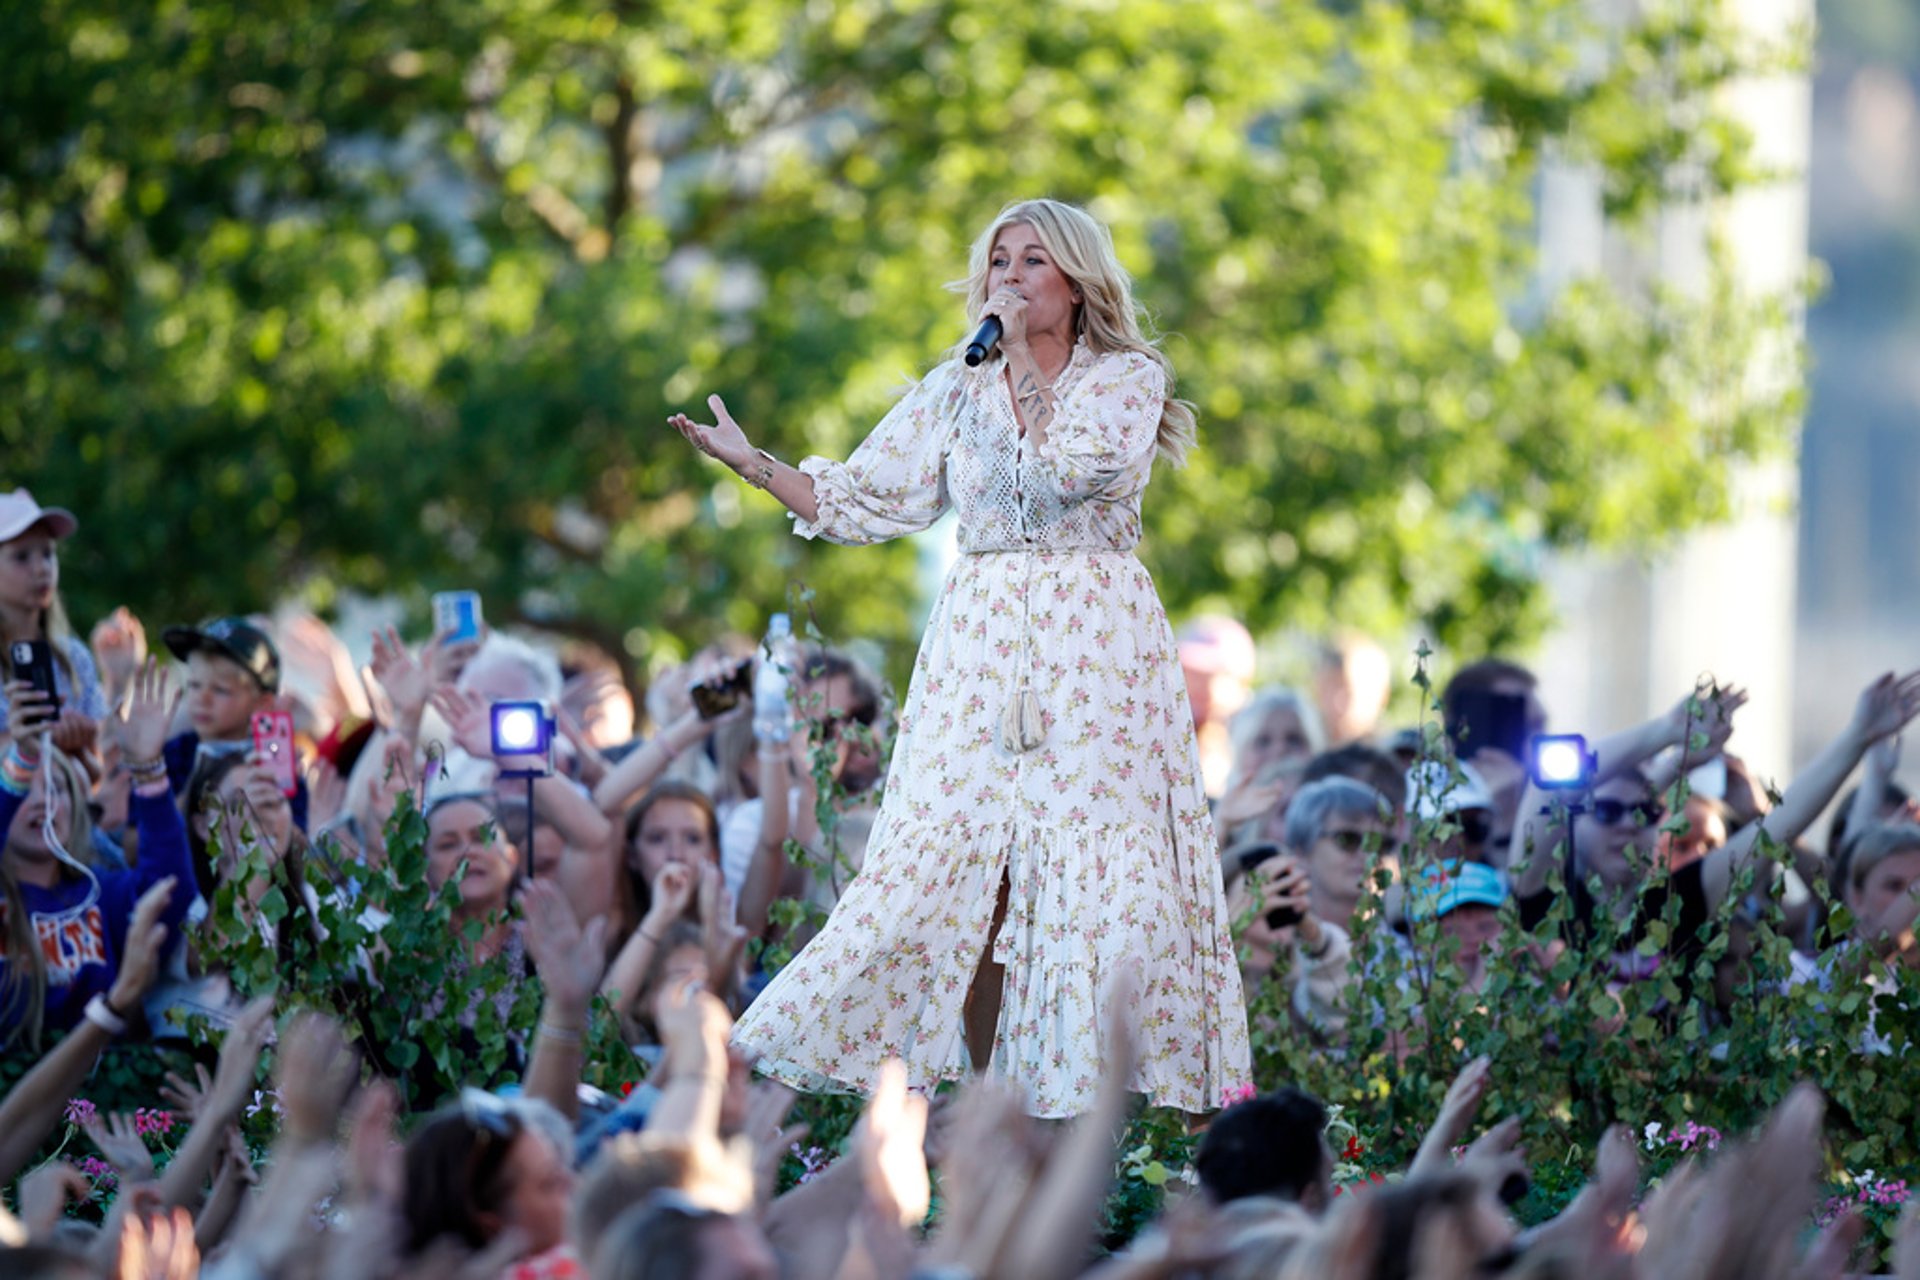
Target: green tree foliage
396,296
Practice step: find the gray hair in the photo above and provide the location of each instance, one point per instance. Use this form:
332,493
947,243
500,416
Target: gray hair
1329,798
540,667
1246,722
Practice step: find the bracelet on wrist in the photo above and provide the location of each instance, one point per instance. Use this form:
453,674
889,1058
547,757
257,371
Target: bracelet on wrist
101,1015
758,471
562,1035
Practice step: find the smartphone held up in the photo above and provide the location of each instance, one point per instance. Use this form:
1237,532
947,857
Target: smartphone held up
723,691
1259,855
456,615
273,747
33,662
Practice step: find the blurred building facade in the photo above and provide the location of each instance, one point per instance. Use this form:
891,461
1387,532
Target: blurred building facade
1816,584
1859,595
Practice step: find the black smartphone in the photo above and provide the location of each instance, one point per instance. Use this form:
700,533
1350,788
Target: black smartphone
1253,856
1483,719
33,662
721,693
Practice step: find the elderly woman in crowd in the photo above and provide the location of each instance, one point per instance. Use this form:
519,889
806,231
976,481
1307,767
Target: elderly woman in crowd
1301,896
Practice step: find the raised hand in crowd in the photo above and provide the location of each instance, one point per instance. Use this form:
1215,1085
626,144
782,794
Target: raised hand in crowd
446,659
45,1194
1456,1116
468,719
985,1180
722,937
765,1126
1886,706
308,644
326,794
315,1070
140,728
1906,1244
121,1143
160,1246
119,644
695,1068
216,1106
591,764
29,1112
387,777
671,894
233,1176
889,1150
569,960
1248,799
407,680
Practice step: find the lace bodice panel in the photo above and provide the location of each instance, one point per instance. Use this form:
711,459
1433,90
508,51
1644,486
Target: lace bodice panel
954,440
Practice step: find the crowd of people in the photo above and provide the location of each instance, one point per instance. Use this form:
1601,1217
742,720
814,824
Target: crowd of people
680,849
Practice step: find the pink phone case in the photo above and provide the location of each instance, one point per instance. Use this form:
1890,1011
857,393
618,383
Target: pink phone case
273,743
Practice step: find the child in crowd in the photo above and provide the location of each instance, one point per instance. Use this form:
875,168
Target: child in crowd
30,609
233,672
65,921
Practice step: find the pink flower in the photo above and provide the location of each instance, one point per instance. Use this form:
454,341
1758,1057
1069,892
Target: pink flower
80,1111
1237,1093
103,1175
147,1122
813,1161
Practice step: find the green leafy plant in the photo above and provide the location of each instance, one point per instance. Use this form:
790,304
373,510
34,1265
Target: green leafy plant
380,950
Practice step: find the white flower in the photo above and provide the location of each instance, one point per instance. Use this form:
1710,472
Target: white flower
1652,1132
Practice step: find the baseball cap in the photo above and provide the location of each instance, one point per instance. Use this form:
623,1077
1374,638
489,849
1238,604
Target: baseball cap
234,638
1433,790
1443,888
19,513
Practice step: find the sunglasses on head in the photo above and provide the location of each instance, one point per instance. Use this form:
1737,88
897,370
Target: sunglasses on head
1351,841
494,1128
1611,813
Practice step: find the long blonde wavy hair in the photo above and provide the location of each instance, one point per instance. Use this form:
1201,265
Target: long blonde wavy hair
1108,317
23,988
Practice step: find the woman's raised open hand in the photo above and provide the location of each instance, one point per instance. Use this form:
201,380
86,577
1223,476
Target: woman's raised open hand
723,440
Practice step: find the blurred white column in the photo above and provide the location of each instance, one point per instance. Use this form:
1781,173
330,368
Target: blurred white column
1634,636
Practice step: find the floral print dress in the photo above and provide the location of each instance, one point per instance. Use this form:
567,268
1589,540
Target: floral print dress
1046,746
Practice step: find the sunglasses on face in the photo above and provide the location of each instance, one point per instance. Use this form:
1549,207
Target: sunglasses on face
1612,813
1349,841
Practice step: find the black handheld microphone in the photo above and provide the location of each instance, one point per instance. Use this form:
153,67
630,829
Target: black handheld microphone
985,339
